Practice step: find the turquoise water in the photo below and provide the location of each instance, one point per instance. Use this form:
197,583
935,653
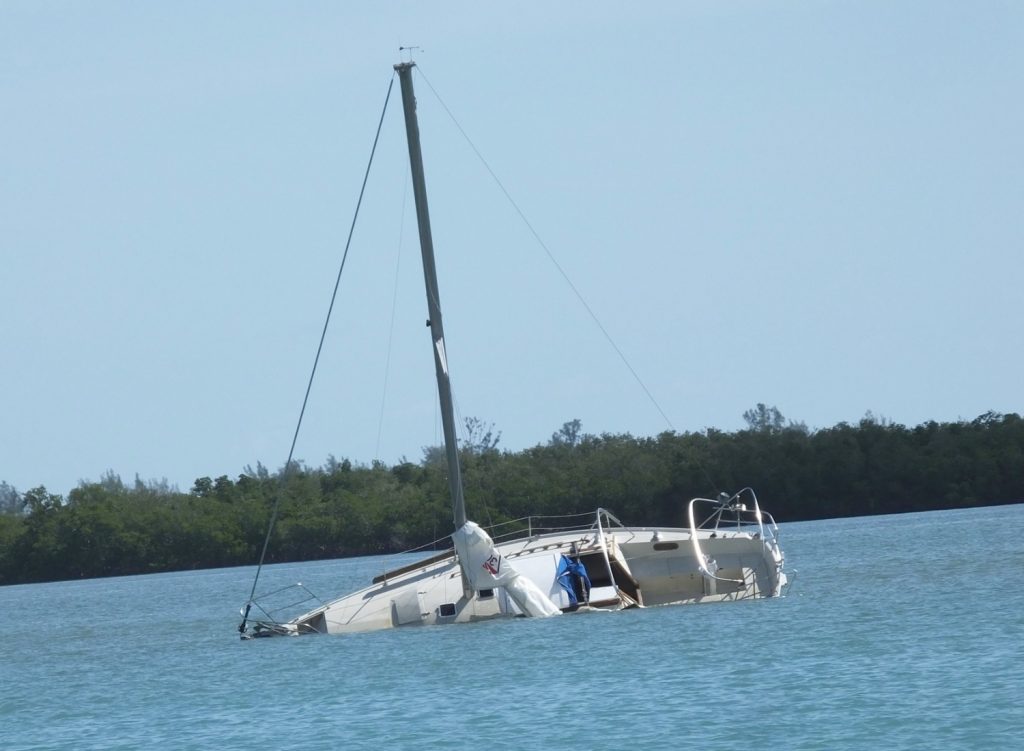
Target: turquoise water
899,632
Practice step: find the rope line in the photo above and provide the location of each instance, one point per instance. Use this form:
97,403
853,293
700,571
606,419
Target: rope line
316,360
391,326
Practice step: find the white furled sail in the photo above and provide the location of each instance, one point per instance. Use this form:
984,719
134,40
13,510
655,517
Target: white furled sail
485,568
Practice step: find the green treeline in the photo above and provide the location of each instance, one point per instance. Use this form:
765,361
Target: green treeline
110,528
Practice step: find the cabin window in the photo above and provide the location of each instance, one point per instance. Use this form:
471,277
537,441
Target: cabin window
666,546
485,594
447,610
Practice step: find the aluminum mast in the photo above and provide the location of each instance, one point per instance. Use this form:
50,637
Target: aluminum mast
444,389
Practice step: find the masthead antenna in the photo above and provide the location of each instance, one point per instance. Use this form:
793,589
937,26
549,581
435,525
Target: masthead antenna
409,50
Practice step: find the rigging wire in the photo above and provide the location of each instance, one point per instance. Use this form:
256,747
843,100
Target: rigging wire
551,256
391,327
316,360
558,267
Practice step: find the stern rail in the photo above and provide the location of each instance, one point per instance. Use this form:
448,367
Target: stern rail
730,511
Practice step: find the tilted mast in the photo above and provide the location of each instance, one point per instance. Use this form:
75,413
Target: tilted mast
444,389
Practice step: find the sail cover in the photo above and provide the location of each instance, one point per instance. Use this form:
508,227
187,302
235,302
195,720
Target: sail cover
485,568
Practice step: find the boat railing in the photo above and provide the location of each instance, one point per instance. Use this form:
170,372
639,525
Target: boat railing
535,525
733,512
525,528
730,512
599,527
280,605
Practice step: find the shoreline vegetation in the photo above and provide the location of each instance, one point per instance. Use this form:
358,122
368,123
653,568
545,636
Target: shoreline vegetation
110,528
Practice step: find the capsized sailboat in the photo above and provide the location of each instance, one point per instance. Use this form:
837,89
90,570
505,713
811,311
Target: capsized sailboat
550,568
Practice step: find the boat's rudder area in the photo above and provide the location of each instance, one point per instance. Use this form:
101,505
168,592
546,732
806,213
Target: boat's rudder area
734,567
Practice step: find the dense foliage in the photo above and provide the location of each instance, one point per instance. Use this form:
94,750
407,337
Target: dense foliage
109,528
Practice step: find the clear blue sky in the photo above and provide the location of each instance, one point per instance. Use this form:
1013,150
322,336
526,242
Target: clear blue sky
816,205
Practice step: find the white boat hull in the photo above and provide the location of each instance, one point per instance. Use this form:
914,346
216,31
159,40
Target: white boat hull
628,567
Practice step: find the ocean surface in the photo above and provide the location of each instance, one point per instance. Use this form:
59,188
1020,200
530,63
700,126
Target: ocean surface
898,632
